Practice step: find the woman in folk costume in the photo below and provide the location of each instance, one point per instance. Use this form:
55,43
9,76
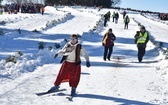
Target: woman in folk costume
71,68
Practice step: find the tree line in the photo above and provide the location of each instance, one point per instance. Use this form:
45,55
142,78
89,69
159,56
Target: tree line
104,3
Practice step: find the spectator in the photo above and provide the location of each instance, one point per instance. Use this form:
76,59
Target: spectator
141,39
108,43
126,21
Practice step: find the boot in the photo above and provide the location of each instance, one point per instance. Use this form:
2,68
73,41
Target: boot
53,89
73,91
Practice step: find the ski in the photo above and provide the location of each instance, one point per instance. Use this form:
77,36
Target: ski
69,98
45,93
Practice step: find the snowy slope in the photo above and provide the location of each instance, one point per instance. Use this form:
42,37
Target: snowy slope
121,81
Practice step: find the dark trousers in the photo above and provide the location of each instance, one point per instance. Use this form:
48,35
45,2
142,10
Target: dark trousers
105,22
113,19
42,12
107,52
116,20
126,25
141,53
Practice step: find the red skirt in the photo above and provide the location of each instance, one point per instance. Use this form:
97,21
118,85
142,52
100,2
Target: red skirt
69,72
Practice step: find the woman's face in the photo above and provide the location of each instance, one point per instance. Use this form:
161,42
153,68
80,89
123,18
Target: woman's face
74,40
109,32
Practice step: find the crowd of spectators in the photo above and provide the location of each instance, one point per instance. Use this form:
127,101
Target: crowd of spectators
22,8
163,16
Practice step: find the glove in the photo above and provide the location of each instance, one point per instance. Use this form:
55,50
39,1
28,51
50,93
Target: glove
55,56
102,44
63,59
77,63
87,64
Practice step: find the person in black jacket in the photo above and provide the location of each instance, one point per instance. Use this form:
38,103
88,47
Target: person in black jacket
106,18
116,17
141,39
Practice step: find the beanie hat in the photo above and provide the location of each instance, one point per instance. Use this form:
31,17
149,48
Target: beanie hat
142,27
110,30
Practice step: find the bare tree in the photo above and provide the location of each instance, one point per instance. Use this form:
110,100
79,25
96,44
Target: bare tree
15,1
23,1
115,2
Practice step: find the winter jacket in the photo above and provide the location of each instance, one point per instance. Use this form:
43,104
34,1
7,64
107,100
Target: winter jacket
113,15
116,15
108,40
42,9
141,38
127,19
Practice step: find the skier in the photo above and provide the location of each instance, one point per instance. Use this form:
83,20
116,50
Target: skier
141,39
108,43
126,21
71,68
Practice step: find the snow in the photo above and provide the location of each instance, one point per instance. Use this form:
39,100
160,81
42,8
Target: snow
121,81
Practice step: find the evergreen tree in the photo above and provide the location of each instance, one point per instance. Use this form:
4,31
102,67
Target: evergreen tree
104,3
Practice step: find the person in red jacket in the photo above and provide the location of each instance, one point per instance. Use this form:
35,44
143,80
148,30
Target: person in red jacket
108,43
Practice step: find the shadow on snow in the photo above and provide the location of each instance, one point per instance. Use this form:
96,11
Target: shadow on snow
114,99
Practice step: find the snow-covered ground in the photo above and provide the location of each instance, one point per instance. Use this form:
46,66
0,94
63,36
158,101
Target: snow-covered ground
121,81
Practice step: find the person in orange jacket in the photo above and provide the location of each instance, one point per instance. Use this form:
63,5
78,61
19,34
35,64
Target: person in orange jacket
42,9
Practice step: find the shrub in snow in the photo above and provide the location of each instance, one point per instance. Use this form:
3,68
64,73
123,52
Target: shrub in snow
42,28
1,32
19,31
94,28
20,53
57,45
35,30
65,40
2,22
160,44
166,53
41,45
59,20
47,24
49,47
166,57
13,58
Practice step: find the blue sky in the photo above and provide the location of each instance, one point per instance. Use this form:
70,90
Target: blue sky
151,5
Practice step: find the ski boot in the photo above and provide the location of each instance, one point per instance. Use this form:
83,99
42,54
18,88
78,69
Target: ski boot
53,89
73,91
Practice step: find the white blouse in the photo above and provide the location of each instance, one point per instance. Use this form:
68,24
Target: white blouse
69,51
